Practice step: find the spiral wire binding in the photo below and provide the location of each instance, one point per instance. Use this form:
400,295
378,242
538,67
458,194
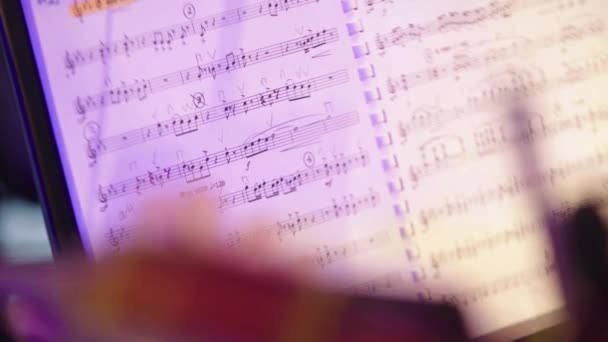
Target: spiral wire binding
384,142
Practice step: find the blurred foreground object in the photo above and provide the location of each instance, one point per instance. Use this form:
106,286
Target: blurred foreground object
179,283
588,295
173,296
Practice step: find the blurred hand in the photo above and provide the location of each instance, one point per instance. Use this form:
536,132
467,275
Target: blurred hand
179,281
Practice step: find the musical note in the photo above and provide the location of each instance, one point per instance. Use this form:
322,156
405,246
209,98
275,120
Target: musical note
471,247
190,123
141,89
182,126
371,5
297,92
280,137
440,150
426,118
458,204
299,222
491,56
445,152
378,285
584,68
328,255
161,39
191,171
497,287
286,184
454,20
118,236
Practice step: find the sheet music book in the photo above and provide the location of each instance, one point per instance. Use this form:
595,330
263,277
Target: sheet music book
375,136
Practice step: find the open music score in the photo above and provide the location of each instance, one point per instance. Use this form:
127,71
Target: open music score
453,147
408,147
164,38
190,123
223,149
341,165
298,222
282,137
141,89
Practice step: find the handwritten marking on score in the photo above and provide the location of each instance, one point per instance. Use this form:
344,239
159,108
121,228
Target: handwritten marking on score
290,183
284,136
189,11
370,5
86,7
309,159
214,186
463,203
190,123
162,39
298,222
444,152
141,89
198,99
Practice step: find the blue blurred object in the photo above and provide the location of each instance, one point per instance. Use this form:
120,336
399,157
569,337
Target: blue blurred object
23,237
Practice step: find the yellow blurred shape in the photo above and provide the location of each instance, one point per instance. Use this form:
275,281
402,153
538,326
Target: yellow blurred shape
79,9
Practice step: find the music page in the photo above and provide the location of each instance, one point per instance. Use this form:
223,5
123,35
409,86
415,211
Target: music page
469,89
255,106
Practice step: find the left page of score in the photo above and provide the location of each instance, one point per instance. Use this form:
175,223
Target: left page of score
255,105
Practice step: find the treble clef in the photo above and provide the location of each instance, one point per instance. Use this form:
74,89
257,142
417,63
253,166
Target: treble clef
92,152
102,197
69,63
80,109
113,240
94,148
94,145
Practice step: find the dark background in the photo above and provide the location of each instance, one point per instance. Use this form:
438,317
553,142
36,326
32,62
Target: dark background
22,232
